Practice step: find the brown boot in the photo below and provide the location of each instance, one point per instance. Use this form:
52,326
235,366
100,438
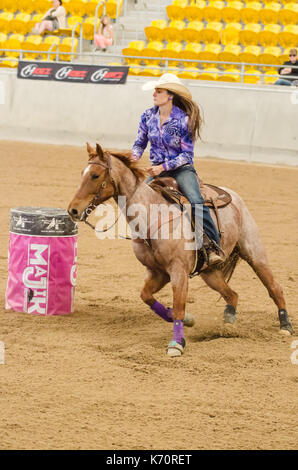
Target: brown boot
215,254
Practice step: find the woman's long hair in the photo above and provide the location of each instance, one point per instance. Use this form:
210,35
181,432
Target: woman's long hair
193,112
102,25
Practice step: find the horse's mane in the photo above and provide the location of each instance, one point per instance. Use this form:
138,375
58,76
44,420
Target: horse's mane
125,158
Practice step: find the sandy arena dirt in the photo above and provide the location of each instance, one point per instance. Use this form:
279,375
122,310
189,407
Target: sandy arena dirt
100,378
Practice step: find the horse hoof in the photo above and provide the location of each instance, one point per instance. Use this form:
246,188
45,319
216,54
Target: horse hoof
285,324
229,314
175,349
286,331
189,320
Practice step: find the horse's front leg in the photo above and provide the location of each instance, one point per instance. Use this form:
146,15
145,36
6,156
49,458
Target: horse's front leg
154,282
179,281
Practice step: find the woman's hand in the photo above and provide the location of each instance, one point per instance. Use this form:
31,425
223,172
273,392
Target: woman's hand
155,170
286,71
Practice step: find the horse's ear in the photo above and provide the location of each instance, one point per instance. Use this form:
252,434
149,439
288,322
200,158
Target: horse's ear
99,151
89,148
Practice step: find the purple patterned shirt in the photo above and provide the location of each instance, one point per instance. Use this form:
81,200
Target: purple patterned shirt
171,144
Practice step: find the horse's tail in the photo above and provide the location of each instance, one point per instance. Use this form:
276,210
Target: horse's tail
230,265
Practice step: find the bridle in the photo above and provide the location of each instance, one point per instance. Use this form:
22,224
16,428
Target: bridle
96,200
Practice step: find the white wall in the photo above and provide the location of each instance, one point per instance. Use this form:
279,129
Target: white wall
243,122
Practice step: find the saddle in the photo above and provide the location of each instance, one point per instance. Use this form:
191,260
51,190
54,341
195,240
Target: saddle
214,197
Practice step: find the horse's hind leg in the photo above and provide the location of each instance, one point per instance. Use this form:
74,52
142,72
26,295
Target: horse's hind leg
251,249
265,274
215,280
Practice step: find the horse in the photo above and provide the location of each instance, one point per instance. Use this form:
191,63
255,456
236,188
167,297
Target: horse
113,174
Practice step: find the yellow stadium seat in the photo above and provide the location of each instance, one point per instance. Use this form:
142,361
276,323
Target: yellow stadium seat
3,38
289,36
10,62
232,11
73,20
230,75
250,34
43,6
77,7
50,42
8,5
230,53
32,43
194,11
212,32
189,73
289,14
111,8
191,52
210,52
155,32
250,54
230,35
251,12
253,77
271,55
209,73
269,35
193,31
88,28
37,18
152,71
6,22
173,32
153,49
270,77
177,11
21,24
14,42
66,46
134,70
213,11
135,48
172,50
270,13
90,8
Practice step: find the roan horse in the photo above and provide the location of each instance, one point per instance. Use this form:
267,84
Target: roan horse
110,175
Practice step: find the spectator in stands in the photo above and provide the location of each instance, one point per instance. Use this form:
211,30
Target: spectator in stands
53,19
172,126
105,35
289,74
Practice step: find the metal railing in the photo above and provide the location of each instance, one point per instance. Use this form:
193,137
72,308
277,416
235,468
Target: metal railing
242,72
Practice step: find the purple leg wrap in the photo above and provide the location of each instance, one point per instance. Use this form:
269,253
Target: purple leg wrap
178,331
162,311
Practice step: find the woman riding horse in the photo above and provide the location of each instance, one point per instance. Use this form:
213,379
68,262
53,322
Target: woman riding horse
172,126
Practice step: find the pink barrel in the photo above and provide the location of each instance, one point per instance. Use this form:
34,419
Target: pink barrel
42,261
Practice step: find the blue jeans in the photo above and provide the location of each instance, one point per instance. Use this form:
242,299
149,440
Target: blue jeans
188,184
283,81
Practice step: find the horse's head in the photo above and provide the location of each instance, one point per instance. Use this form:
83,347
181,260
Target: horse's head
97,184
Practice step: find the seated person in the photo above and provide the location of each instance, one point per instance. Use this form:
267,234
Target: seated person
289,74
104,36
53,19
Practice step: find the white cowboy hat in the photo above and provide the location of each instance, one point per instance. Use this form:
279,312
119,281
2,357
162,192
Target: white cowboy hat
170,82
